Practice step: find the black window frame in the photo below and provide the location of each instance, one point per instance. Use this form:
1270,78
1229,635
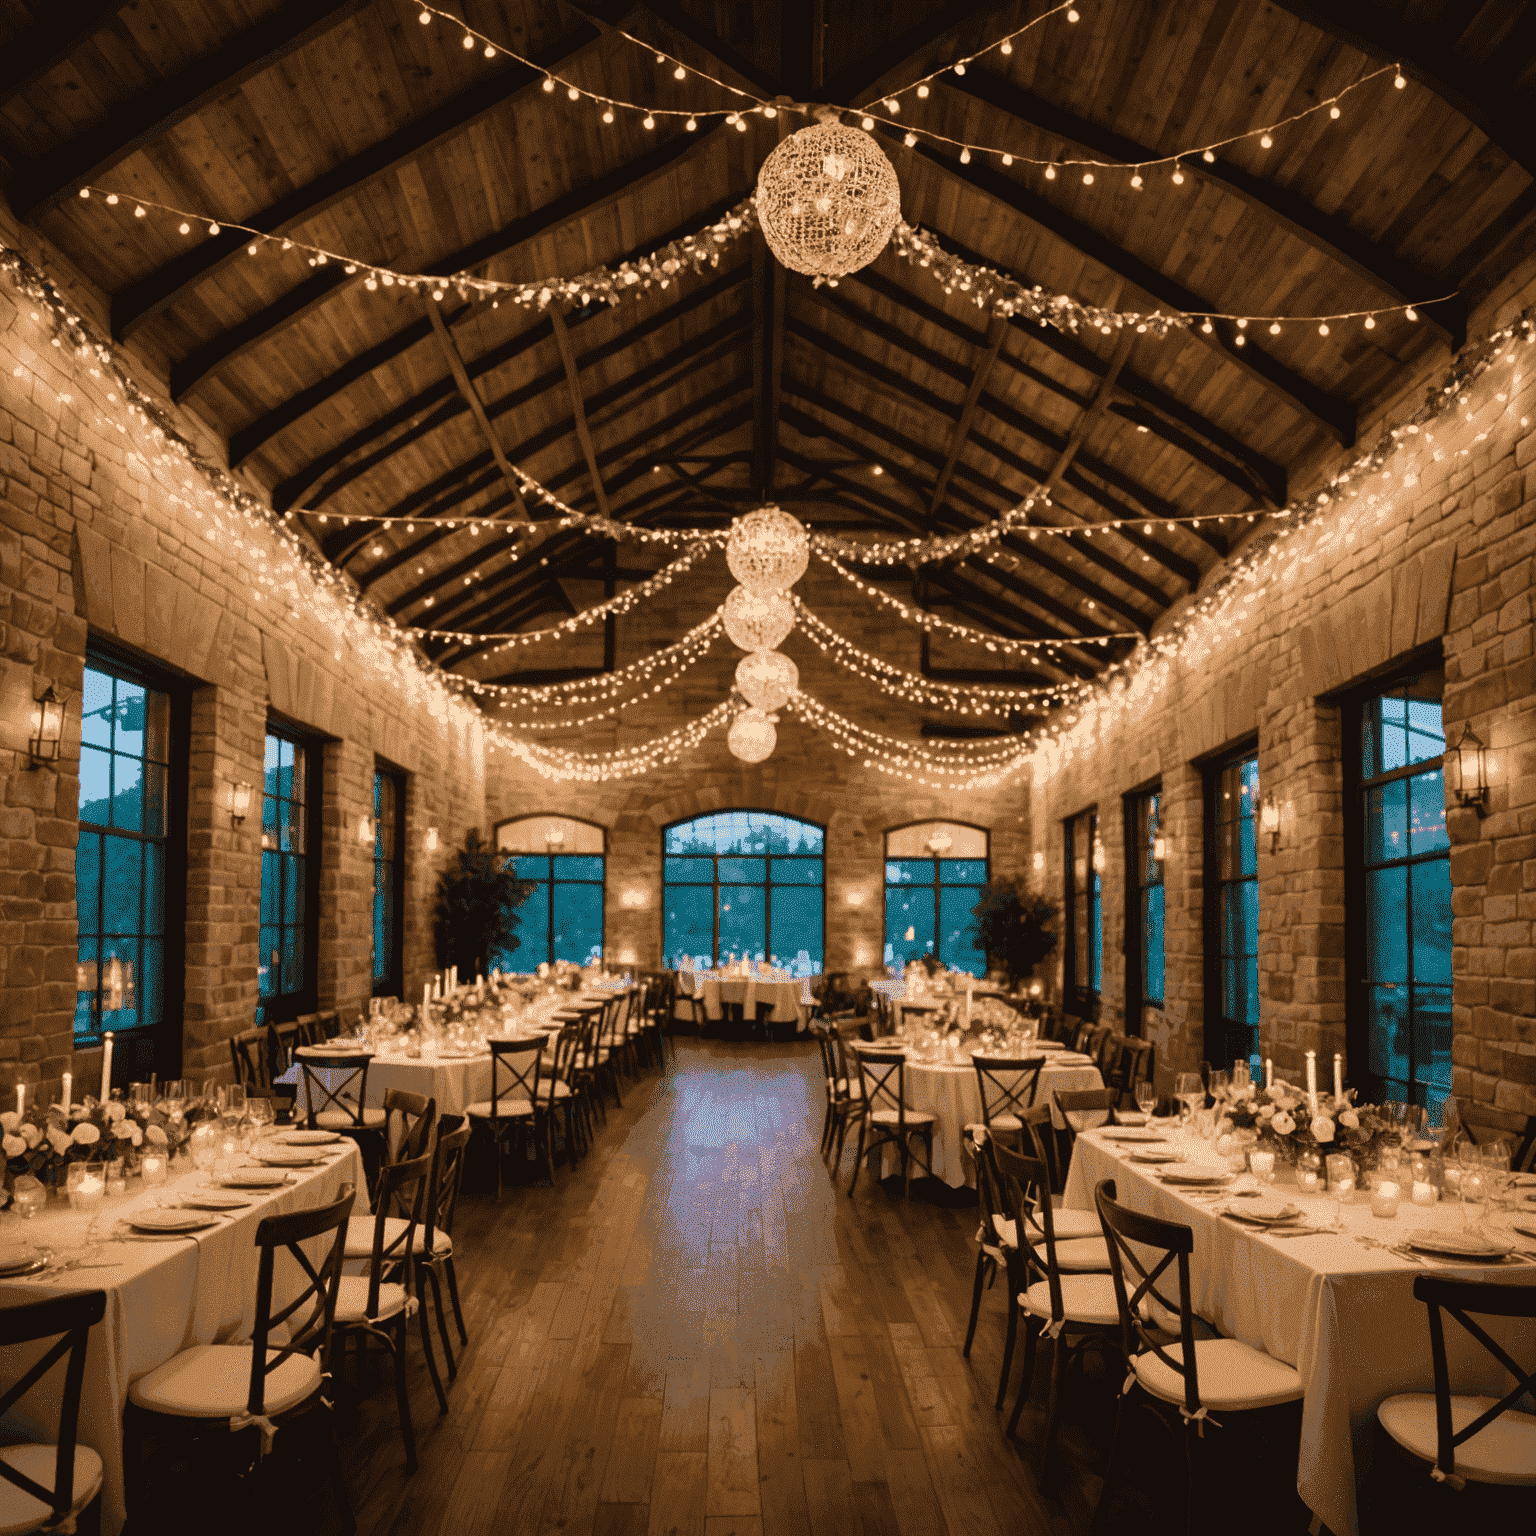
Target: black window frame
1352,704
1140,865
392,982
548,881
1082,1002
714,885
278,1007
153,1047
887,884
1221,1033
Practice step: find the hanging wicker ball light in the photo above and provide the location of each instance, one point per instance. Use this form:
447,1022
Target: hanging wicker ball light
757,623
827,200
766,679
768,550
752,736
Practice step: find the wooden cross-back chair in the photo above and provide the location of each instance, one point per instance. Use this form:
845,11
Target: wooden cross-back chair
514,1103
1007,1085
251,1060
434,1252
46,1486
887,1115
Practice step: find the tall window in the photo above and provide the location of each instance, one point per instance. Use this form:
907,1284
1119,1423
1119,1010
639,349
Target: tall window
290,872
388,880
934,875
129,861
1144,871
1085,943
743,883
1232,795
563,918
1401,939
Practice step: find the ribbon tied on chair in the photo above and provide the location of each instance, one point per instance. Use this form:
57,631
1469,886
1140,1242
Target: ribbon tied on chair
1199,1418
245,1419
1450,1479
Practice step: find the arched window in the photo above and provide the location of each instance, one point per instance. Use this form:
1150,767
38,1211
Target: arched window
563,918
744,883
934,874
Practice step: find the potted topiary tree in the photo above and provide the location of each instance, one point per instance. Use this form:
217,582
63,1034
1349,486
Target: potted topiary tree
476,913
1014,928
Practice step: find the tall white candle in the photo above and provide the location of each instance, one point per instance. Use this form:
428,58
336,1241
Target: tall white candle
69,1082
1312,1080
1338,1074
106,1067
426,997
21,1098
1269,1073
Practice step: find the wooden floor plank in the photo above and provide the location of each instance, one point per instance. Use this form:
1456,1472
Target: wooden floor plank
732,1486
632,1457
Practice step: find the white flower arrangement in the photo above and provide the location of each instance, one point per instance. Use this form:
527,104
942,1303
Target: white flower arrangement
14,1146
85,1134
157,1137
10,1122
1322,1129
30,1134
1283,1123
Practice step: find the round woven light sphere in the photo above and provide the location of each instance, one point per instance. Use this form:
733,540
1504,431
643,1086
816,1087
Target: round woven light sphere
758,623
827,200
752,736
766,679
768,550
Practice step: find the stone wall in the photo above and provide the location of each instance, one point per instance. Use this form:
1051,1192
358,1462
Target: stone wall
100,539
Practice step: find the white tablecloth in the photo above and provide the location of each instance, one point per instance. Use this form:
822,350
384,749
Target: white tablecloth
950,1091
786,994
1341,1313
163,1296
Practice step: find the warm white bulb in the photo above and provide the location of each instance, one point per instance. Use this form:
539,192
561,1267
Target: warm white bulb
650,122
922,92
469,41
1399,82
1087,178
1178,178
1333,112
1209,158
549,84
1322,330
965,157
1266,142
573,93
1136,182
679,73
959,69
867,124
1050,173
1370,322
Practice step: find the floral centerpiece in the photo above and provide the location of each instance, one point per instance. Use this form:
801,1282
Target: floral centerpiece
43,1142
1280,1118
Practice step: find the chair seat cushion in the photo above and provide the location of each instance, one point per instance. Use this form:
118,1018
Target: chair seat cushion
1067,1224
1080,1254
914,1117
1006,1122
1084,1299
360,1237
344,1119
507,1109
213,1381
1502,1452
19,1511
1232,1375
850,1089
352,1300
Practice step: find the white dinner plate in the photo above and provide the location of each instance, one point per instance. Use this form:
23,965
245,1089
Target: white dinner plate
1131,1117
1194,1174
17,1258
1262,1212
1526,1227
1071,1059
212,1200
255,1178
1457,1245
289,1157
1151,1155
170,1221
309,1138
1114,1133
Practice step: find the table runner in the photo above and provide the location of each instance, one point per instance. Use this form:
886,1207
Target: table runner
1343,1314
163,1296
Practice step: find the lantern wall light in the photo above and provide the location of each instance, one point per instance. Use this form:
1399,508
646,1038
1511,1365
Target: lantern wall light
1039,861
1472,759
431,840
365,829
636,896
855,896
1159,847
47,727
940,843
554,837
239,802
1269,821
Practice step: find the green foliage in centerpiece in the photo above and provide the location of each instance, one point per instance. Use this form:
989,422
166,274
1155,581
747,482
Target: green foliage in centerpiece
1014,928
476,913
1282,1121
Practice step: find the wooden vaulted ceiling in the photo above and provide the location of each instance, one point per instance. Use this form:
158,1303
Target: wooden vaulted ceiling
347,124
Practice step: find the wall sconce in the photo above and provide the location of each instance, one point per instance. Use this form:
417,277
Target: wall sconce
626,957
47,727
940,843
239,802
1269,821
1034,989
1472,759
365,830
1159,848
855,895
1039,862
636,898
431,840
1099,858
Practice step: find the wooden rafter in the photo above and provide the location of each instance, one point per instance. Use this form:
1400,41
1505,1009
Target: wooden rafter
43,182
578,409
58,31
476,405
997,333
1398,280
1095,407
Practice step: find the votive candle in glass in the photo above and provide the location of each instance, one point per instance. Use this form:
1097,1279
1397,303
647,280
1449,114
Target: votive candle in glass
1384,1198
152,1167
1424,1193
1262,1166
86,1185
1341,1175
117,1177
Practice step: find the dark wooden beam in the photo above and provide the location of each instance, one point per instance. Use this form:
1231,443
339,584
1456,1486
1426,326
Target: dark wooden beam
769,297
581,201
578,409
1337,416
476,405
1090,413
1398,280
41,183
57,32
1420,50
996,334
158,290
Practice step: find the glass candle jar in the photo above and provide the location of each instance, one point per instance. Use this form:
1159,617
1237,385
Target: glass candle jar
1262,1166
86,1185
1341,1175
117,1176
152,1167
1384,1198
29,1196
1309,1172
1424,1191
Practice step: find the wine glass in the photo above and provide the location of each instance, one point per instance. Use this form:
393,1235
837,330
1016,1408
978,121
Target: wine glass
1220,1082
1146,1097
1187,1087
1474,1190
262,1113
232,1103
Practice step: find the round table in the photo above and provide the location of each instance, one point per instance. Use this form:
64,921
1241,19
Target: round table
785,993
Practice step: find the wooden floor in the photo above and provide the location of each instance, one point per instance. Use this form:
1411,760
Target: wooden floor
695,1333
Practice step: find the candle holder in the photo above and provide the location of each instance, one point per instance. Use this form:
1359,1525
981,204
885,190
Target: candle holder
29,1196
152,1167
1262,1166
1385,1197
1340,1168
1309,1173
86,1185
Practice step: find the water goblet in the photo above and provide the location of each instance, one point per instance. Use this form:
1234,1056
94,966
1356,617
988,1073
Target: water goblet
1187,1087
1474,1190
261,1112
1146,1097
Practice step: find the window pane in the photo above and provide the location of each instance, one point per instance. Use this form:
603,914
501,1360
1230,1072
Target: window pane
578,931
88,881
292,945
151,982
293,890
690,924
795,871
531,866
963,871
689,871
1386,822
579,867
796,936
1431,893
96,709
127,793
128,728
1152,944
1432,1044
121,885
95,787
909,872
1386,924
955,947
1387,1018
86,980
743,921
908,923
154,887
266,961
1426,812
1082,968
753,871
532,931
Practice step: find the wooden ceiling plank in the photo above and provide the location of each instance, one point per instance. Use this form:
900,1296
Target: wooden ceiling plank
42,183
1398,280
1335,415
476,405
913,47
49,41
1418,50
157,291
997,333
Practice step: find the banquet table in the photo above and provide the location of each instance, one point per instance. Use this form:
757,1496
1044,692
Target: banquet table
1342,1313
949,1090
786,993
164,1294
453,1080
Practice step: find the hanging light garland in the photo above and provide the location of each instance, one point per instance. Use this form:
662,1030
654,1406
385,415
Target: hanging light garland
766,679
767,551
